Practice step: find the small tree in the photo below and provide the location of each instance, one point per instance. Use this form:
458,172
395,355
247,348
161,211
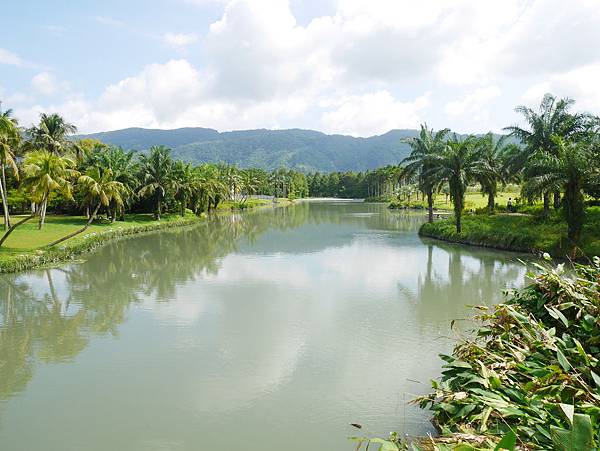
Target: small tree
421,161
460,164
156,172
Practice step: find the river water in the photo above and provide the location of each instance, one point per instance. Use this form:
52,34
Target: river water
268,330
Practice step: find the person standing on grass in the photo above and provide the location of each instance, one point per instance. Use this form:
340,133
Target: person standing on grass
509,205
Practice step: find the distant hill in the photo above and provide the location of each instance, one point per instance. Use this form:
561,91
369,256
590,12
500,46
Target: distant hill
304,150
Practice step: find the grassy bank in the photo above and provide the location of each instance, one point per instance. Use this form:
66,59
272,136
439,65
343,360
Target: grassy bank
26,247
523,233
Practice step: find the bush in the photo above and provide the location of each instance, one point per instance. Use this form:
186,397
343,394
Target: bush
533,367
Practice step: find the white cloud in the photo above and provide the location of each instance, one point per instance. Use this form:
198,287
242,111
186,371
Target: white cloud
473,102
111,22
581,84
46,84
373,113
179,39
11,59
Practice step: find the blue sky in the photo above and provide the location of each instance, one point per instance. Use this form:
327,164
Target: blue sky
339,66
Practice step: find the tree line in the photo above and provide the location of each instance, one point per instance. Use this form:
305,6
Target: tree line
555,155
555,158
44,168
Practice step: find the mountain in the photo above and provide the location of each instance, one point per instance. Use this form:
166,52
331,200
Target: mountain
304,150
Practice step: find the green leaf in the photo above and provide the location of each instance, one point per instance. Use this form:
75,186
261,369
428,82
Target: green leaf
508,442
557,314
579,437
563,360
568,410
596,378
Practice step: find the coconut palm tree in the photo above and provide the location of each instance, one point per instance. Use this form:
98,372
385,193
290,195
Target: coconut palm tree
423,148
120,163
552,119
52,134
210,188
156,175
9,141
459,164
493,153
45,172
571,167
249,184
100,189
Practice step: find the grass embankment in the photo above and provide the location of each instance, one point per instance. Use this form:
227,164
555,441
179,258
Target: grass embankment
517,232
26,247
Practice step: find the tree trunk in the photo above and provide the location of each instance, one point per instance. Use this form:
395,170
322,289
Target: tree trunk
546,203
556,200
491,203
43,207
77,232
4,205
9,231
158,206
4,201
574,210
458,206
430,206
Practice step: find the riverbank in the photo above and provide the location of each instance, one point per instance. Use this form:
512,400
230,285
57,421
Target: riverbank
521,233
26,247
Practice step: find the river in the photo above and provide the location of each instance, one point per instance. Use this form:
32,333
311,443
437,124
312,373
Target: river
267,330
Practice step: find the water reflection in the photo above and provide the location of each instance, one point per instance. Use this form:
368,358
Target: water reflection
278,323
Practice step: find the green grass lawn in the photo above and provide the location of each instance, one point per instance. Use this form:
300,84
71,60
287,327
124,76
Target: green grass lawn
472,201
27,237
520,232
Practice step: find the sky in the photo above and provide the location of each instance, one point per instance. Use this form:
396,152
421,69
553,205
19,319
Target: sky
358,67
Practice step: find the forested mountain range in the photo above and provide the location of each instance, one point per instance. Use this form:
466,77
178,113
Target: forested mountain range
304,150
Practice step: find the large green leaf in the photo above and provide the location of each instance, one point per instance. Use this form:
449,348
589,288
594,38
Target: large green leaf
578,438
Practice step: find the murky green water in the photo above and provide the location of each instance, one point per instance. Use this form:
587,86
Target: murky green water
265,331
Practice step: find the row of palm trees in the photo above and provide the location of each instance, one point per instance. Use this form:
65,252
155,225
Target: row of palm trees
47,165
557,153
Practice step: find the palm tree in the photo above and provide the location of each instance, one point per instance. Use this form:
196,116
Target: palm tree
157,175
210,188
9,140
120,163
52,134
493,154
45,172
100,189
552,119
459,165
571,166
184,183
420,162
249,184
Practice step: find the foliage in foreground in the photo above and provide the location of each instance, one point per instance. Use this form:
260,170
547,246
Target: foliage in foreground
531,370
